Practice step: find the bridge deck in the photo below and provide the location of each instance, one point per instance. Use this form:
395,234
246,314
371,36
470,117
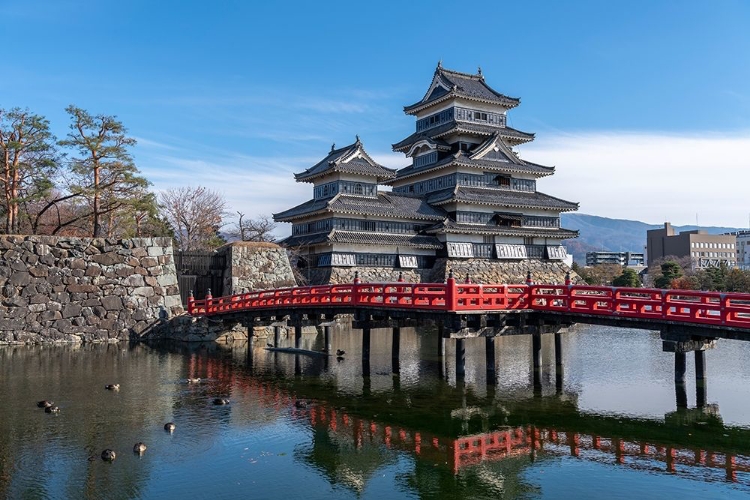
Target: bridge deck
635,307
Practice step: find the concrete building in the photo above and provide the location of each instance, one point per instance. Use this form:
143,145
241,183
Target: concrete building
742,242
621,258
705,250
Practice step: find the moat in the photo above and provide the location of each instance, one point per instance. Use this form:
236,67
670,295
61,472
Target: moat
315,427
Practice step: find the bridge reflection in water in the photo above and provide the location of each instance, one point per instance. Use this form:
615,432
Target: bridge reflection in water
464,431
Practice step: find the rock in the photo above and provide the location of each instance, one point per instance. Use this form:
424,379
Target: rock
112,303
108,259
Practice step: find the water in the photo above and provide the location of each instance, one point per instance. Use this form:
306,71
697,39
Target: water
612,430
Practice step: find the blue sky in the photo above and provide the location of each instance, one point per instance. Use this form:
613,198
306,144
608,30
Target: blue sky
643,106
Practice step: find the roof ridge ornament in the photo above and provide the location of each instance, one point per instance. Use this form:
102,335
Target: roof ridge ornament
333,147
357,141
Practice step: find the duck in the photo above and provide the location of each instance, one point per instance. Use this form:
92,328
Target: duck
112,387
169,426
339,358
269,345
139,448
196,380
52,409
221,401
109,455
340,353
300,404
44,404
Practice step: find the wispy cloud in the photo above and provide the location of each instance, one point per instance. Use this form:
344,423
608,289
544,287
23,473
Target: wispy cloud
653,177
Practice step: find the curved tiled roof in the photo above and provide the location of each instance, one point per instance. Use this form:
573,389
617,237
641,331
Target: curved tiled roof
448,83
487,165
450,226
499,197
363,238
350,159
385,205
452,126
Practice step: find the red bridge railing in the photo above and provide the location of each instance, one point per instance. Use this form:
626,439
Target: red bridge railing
685,306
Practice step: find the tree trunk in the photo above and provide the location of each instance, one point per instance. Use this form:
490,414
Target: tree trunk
97,227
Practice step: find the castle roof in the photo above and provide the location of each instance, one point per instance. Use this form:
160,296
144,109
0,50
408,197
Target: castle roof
462,159
365,238
384,205
512,135
352,159
499,197
450,226
447,84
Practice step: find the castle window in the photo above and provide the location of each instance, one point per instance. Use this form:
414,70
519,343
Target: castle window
358,189
503,180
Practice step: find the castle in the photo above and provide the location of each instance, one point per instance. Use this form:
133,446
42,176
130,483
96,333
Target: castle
466,202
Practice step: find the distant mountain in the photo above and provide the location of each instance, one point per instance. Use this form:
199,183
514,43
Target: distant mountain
615,235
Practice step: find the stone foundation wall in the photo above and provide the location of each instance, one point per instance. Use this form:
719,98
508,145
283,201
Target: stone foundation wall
339,275
59,289
480,271
493,271
255,266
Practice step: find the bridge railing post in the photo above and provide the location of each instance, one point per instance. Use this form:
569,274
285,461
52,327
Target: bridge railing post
451,301
355,289
208,299
191,303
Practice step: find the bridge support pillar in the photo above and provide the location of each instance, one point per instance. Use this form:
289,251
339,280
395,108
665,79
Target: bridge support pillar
700,365
700,379
680,366
327,338
460,358
489,349
276,335
559,369
366,329
441,341
536,359
298,336
396,350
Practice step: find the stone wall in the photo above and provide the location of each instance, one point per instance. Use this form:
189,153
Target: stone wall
493,271
339,275
480,270
59,289
255,266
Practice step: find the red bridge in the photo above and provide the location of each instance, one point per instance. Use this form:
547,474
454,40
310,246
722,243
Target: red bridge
724,310
689,321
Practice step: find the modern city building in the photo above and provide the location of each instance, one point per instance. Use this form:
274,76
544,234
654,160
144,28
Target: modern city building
621,258
742,241
466,196
705,250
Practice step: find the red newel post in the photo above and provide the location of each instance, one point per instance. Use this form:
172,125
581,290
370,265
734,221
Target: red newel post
450,292
401,277
468,279
191,303
355,288
209,298
567,279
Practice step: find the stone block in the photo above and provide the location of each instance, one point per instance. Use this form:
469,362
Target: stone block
19,279
108,259
144,291
79,288
93,270
112,303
